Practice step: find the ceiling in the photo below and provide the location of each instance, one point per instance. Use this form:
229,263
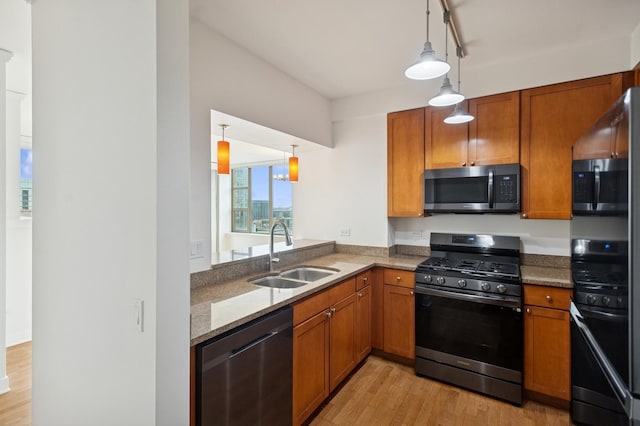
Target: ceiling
342,48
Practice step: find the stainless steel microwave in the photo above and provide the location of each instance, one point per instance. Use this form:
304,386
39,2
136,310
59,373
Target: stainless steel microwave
479,189
600,187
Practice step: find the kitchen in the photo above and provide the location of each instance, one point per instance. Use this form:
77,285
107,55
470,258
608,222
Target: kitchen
359,126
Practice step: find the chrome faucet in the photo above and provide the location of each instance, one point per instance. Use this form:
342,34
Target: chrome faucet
287,237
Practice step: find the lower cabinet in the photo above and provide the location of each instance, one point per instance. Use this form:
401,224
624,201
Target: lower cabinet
399,313
547,341
331,334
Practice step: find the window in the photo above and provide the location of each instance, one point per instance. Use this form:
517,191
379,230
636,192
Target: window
26,185
258,200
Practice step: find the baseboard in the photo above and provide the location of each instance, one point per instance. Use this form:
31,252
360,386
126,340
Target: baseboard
4,385
17,338
547,400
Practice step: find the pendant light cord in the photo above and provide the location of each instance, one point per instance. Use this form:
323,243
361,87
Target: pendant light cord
446,37
458,54
427,39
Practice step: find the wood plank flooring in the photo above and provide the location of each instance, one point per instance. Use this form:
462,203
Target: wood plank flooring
382,392
15,405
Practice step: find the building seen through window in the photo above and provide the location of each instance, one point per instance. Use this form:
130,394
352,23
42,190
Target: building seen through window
26,180
259,200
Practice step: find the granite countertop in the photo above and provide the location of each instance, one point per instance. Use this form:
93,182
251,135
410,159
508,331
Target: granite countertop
544,275
221,307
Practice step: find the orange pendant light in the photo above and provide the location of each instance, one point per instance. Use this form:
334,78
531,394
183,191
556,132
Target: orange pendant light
293,165
223,153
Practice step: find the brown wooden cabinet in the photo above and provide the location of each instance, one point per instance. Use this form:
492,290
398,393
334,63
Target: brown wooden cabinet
547,341
612,142
491,138
405,163
324,345
552,119
363,315
399,313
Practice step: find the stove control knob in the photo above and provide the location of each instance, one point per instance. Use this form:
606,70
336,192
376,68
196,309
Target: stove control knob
501,288
591,299
485,286
606,301
428,278
619,302
440,280
462,283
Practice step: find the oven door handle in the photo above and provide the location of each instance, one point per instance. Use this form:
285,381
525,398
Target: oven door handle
618,386
506,302
610,316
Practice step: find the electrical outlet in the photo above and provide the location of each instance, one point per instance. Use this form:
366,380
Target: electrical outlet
345,232
196,249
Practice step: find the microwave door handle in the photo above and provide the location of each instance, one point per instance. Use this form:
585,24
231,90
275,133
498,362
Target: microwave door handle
596,187
490,189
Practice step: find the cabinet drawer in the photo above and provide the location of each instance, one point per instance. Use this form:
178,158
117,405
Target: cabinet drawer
342,290
363,279
310,306
399,278
547,297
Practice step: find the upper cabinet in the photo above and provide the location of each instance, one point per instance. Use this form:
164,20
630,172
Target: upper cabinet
552,119
491,138
405,163
610,142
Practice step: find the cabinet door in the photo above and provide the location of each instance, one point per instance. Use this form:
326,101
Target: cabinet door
405,163
377,309
552,119
445,144
310,365
399,321
546,356
494,134
342,340
363,323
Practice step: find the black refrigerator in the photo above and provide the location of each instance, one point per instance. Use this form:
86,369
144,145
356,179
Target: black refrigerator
605,266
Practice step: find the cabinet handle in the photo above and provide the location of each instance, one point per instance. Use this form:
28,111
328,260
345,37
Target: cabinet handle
398,278
617,155
612,155
359,294
365,279
333,310
411,292
528,310
525,215
328,314
420,214
548,298
464,164
473,163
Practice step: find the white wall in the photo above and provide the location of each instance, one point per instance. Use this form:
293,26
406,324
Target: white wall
111,223
229,79
634,57
357,204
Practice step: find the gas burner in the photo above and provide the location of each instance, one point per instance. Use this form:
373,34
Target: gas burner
436,262
466,265
498,268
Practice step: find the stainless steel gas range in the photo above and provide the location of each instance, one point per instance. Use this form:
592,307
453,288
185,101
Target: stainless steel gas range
469,324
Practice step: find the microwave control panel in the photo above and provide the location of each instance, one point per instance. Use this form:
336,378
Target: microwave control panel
507,189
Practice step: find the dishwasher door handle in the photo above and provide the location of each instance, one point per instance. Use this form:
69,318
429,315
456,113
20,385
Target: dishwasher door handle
253,343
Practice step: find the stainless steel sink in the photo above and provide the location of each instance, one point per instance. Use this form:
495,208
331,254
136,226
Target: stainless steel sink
276,281
307,273
294,278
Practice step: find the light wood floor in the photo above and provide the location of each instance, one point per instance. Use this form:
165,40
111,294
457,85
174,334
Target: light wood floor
382,392
15,405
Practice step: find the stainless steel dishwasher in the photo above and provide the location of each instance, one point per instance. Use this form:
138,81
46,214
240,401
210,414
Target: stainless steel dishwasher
244,377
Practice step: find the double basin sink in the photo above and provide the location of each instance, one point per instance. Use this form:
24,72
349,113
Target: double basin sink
294,278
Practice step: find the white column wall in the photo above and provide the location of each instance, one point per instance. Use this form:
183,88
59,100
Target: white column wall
110,148
5,56
18,233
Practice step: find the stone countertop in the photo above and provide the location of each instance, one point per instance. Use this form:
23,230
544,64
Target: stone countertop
544,275
222,307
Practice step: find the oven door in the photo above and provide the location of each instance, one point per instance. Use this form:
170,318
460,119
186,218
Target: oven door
599,395
479,333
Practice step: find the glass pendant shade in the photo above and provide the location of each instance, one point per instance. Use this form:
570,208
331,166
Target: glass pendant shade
458,116
293,165
223,153
223,157
429,66
447,96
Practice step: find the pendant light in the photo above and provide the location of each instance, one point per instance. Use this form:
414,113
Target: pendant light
223,153
447,96
459,114
293,165
428,66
